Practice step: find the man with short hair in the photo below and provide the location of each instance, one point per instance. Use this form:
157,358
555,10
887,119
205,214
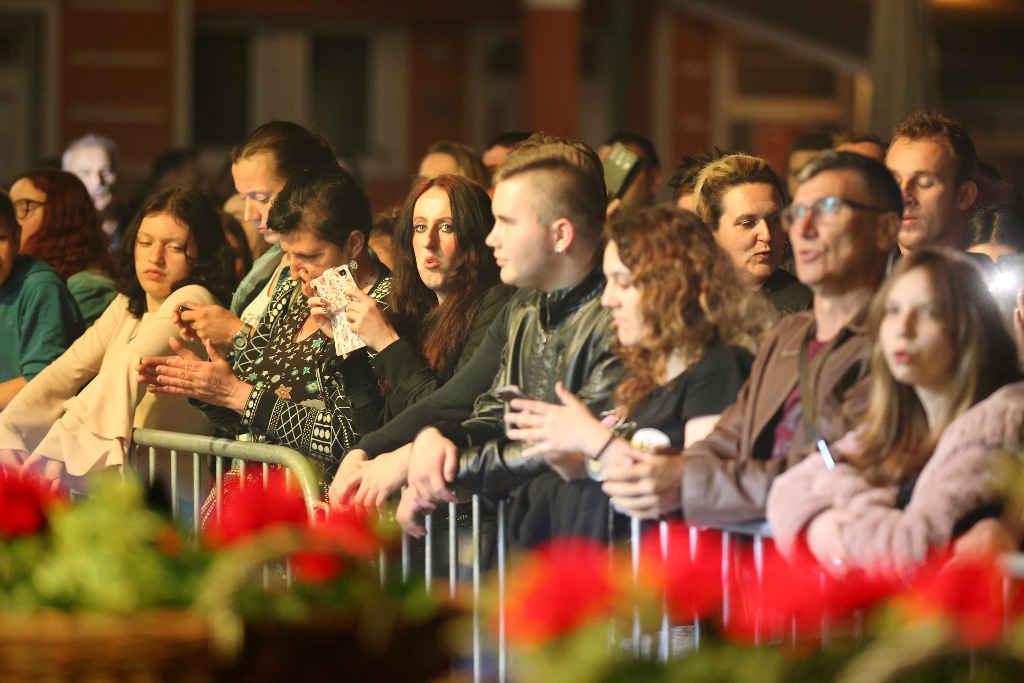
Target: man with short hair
497,151
933,160
549,206
804,147
810,376
865,144
93,158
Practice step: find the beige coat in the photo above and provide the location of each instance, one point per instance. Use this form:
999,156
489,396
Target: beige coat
91,427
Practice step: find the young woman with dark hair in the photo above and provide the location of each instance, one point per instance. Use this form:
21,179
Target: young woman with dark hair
77,415
60,226
940,421
445,293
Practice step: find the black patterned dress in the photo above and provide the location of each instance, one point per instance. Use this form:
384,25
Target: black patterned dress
305,396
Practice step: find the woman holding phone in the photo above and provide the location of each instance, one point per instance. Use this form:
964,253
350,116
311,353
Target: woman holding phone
445,293
288,386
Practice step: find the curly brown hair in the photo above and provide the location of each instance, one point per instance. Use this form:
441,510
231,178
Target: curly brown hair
690,296
69,237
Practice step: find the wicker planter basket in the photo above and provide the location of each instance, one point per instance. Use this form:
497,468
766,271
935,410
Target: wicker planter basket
147,646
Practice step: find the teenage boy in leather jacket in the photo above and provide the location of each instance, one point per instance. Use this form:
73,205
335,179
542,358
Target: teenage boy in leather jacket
549,205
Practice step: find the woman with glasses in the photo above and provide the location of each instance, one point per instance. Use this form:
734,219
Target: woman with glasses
740,198
942,423
77,415
60,226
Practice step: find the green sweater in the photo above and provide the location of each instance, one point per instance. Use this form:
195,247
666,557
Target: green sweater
38,319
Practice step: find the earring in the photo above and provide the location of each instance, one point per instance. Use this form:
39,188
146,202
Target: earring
352,265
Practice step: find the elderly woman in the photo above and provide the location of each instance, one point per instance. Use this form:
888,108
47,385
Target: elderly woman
740,198
942,417
288,385
77,415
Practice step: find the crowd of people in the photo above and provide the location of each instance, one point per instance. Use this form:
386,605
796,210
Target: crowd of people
835,349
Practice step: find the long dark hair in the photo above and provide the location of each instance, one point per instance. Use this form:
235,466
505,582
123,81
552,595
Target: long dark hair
441,329
69,237
213,268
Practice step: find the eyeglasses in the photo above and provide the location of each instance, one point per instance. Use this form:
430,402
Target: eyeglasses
24,207
825,210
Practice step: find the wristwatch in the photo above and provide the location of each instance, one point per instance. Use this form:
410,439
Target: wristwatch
241,337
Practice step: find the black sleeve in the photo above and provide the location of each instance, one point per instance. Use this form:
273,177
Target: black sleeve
714,381
453,401
404,369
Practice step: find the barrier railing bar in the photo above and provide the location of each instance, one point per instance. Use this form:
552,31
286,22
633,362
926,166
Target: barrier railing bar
175,497
428,550
502,645
453,550
477,645
228,448
196,499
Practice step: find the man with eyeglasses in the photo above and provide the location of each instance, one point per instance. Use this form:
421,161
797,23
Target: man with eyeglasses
810,377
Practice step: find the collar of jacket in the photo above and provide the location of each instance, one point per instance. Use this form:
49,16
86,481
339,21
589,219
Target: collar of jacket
556,305
857,325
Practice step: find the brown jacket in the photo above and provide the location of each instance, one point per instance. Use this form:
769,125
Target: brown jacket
727,475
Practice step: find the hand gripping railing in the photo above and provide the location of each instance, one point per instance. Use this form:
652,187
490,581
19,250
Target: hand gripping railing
296,465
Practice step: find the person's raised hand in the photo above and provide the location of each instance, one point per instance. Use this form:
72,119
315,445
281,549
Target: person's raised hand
367,319
206,322
186,374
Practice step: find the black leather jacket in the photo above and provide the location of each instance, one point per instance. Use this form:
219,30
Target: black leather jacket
558,336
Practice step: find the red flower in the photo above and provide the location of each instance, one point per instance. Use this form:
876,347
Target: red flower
24,500
248,509
558,587
314,566
344,534
970,593
351,530
689,573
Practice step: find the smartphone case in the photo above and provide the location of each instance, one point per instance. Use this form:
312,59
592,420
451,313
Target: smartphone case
330,287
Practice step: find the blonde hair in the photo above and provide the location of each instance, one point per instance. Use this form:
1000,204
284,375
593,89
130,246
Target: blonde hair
719,176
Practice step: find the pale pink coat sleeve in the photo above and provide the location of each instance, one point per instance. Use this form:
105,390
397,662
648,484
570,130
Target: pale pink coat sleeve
964,473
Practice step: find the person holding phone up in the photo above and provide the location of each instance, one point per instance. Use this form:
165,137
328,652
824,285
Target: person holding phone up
288,385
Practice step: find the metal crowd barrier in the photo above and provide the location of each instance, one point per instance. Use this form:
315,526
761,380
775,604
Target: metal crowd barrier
490,657
145,455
